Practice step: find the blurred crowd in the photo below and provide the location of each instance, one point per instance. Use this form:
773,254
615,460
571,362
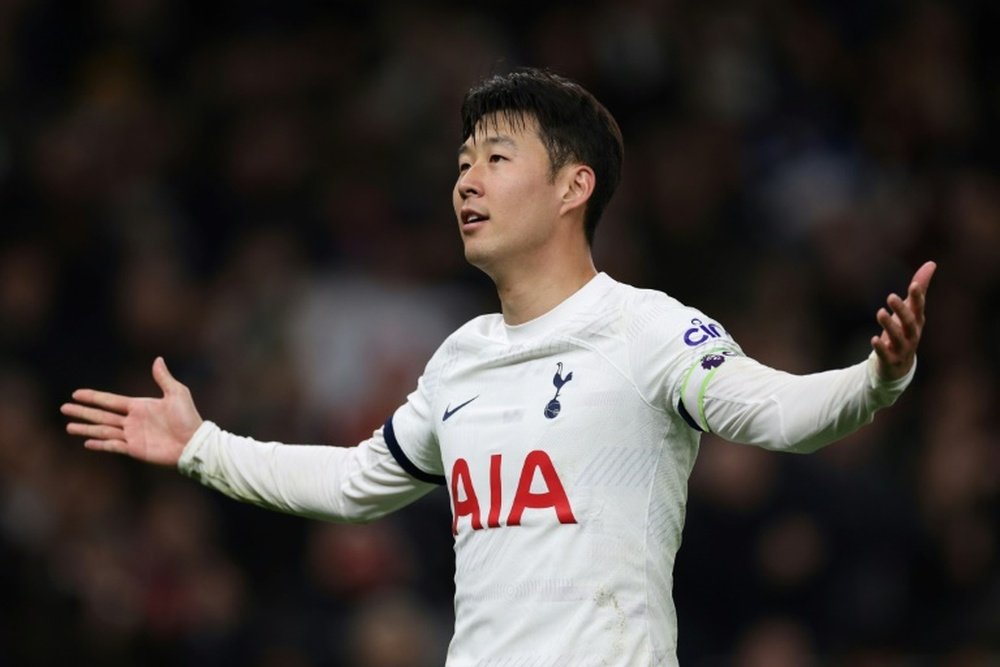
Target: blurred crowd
260,192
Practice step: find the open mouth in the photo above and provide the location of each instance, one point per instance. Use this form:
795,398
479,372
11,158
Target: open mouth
473,217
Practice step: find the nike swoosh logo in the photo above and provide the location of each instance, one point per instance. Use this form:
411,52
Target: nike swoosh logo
448,412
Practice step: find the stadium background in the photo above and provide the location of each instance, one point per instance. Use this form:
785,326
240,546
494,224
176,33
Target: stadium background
259,191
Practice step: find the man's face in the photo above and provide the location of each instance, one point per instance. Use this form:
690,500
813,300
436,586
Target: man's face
506,199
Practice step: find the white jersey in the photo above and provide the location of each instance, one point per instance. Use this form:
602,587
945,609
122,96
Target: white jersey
565,444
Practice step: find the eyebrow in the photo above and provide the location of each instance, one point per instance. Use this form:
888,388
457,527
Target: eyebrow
499,139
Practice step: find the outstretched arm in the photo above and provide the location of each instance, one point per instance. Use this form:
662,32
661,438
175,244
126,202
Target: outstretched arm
154,430
335,483
744,401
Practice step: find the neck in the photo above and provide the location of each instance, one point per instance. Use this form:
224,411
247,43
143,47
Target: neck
538,287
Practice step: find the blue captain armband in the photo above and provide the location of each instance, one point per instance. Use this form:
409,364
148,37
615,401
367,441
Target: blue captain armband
691,405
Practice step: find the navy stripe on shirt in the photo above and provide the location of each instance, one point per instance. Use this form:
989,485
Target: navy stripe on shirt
397,452
687,417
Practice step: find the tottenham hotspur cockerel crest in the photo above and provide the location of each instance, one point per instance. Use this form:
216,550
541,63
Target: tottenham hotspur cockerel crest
553,407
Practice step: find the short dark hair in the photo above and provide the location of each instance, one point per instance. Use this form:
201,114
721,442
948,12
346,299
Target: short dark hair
572,125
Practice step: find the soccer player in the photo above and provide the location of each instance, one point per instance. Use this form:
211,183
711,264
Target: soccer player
564,428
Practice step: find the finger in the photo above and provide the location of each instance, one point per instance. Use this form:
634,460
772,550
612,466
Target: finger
916,298
924,274
885,356
93,415
890,325
114,446
917,292
904,314
879,348
95,431
103,399
894,302
163,377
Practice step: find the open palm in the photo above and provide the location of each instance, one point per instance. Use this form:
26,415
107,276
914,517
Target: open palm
896,346
149,429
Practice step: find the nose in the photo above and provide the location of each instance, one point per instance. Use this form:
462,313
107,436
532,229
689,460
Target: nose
469,184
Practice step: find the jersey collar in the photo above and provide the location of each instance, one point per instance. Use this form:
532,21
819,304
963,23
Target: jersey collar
580,301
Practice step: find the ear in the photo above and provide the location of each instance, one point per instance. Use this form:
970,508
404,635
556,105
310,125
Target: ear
578,184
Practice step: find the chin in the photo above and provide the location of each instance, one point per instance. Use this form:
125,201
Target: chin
476,259
479,258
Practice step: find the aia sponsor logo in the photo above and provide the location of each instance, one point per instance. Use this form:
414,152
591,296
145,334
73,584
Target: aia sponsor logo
545,493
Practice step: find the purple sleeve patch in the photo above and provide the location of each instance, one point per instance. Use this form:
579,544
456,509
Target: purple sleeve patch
710,361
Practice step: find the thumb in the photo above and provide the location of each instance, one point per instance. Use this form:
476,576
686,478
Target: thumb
163,377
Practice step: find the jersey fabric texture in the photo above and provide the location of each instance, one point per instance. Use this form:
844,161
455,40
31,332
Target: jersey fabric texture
565,445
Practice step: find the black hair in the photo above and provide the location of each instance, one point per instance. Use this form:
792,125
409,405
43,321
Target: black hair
572,125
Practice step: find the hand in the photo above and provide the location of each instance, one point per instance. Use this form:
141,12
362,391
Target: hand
896,347
149,429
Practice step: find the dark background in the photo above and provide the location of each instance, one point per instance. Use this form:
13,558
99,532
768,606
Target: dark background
260,192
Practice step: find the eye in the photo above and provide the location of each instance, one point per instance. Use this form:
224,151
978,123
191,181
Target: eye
463,167
494,158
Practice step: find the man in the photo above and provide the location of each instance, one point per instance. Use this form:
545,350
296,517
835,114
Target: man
564,428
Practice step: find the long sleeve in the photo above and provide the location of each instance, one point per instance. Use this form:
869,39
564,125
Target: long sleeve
741,400
355,484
